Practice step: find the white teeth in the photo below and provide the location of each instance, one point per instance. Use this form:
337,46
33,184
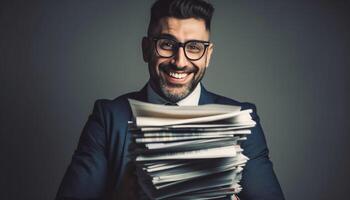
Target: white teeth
177,75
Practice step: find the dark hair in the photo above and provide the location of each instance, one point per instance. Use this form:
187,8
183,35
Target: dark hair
182,9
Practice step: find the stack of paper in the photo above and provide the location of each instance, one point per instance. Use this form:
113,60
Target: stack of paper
189,152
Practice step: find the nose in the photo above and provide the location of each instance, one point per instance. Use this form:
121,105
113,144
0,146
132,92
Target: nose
180,59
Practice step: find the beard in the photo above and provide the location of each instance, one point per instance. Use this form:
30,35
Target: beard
168,90
175,92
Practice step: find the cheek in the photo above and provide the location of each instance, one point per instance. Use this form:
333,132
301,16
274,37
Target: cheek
156,63
153,65
200,66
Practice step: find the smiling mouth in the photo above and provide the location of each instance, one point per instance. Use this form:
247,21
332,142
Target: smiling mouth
177,75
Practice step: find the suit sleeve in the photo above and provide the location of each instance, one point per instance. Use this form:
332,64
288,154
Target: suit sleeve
86,175
259,180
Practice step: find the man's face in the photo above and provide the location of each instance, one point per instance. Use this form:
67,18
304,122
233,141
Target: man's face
176,77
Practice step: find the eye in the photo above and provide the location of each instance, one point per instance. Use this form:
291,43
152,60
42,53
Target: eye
166,44
194,47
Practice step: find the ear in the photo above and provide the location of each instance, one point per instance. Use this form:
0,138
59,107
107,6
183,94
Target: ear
146,47
209,53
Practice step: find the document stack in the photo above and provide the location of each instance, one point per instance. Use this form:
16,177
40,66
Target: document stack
189,152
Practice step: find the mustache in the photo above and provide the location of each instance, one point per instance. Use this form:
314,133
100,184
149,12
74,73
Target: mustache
171,67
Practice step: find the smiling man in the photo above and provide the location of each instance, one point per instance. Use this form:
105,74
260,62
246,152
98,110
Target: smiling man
178,51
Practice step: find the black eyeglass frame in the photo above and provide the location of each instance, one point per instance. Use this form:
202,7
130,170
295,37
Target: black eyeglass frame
180,44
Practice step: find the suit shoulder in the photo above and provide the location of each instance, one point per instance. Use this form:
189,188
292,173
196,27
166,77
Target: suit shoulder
229,101
118,107
118,102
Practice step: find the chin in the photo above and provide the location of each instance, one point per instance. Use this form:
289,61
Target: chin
175,94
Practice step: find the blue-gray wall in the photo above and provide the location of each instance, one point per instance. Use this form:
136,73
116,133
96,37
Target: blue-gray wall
290,58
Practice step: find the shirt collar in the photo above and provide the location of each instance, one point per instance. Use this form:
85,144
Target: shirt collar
191,100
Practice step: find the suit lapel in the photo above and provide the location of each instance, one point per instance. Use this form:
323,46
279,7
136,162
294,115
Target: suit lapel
206,97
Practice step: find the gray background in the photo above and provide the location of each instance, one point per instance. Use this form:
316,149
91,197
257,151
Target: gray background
290,58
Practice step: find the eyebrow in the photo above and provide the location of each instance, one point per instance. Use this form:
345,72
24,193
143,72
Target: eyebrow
169,36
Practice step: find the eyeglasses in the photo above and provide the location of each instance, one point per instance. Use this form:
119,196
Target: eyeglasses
193,49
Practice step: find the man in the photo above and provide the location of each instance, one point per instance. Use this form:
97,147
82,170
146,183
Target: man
178,51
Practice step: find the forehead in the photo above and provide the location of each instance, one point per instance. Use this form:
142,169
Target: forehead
183,29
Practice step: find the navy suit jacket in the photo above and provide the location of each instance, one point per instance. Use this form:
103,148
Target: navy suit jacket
101,157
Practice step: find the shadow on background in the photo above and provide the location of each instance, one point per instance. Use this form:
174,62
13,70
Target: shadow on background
290,58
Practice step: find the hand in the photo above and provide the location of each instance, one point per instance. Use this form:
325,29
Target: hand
235,197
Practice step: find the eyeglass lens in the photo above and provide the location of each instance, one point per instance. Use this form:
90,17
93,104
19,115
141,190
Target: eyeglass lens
168,48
